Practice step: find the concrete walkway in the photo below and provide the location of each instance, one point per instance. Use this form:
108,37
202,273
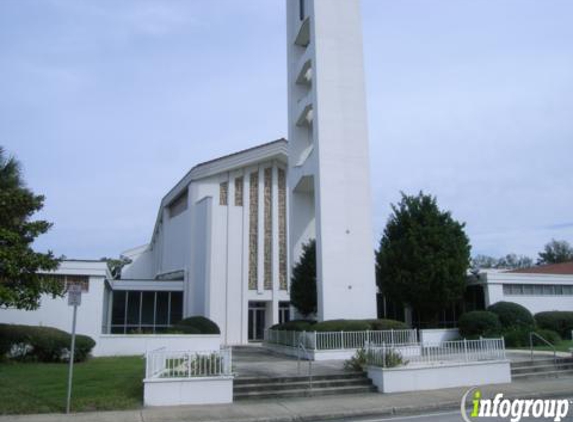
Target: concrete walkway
258,362
319,408
519,355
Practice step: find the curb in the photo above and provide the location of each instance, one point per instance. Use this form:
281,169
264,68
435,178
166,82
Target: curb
385,412
294,416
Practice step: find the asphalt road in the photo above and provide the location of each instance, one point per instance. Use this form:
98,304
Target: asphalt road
453,416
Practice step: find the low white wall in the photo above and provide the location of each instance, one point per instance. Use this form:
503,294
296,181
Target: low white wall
336,354
417,378
56,312
138,344
438,335
181,391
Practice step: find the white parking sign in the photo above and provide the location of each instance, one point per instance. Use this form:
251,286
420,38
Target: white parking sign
74,295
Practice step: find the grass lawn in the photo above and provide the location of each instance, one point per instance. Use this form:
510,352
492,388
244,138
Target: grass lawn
99,384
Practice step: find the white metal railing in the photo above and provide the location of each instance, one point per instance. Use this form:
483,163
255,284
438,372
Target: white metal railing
340,340
302,350
161,363
533,335
437,353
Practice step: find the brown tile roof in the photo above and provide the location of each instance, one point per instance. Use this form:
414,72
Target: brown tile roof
561,268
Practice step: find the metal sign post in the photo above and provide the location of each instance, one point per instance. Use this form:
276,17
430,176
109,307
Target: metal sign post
75,300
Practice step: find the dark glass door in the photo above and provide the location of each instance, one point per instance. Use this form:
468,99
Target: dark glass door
257,314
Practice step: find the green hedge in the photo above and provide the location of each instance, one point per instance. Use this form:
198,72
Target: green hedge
197,325
520,337
387,324
558,321
341,325
43,344
295,325
479,323
512,315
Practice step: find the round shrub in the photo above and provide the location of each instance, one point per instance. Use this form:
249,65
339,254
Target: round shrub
43,344
83,347
520,337
559,321
479,323
387,324
295,325
197,325
512,315
549,335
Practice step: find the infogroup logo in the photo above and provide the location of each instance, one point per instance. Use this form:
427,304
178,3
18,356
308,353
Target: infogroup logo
514,410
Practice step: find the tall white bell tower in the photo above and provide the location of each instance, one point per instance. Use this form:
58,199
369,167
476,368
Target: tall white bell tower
329,176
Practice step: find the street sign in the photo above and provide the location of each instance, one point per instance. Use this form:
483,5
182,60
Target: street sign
75,300
74,295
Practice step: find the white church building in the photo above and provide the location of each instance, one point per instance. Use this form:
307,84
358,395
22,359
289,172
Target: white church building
218,249
228,233
221,233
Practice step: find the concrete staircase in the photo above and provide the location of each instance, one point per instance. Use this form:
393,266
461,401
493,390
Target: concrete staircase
298,386
541,368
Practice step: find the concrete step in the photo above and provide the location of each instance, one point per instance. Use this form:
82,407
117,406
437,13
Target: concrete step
541,368
543,361
283,386
274,380
543,374
300,392
298,386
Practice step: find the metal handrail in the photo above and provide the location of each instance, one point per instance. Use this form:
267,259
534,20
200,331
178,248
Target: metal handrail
303,349
533,334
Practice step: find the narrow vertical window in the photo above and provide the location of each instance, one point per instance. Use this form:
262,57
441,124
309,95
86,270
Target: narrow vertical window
301,9
224,193
253,229
282,230
239,191
268,210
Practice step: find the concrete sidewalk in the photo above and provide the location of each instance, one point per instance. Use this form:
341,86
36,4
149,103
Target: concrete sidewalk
317,408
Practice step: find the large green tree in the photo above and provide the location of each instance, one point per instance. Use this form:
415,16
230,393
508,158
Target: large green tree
555,252
423,257
303,281
21,281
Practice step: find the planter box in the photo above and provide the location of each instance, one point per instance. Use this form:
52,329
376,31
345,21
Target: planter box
185,391
438,335
418,377
335,354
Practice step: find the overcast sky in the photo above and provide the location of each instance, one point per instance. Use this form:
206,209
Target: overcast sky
109,103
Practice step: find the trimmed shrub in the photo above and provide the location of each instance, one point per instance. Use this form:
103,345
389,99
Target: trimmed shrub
549,335
387,324
295,325
479,323
342,325
520,337
84,345
43,344
197,325
559,321
512,315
